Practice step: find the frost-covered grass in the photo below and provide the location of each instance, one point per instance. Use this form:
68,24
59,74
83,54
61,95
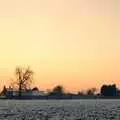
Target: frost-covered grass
59,109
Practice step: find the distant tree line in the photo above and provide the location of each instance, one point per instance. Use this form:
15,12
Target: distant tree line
105,91
24,79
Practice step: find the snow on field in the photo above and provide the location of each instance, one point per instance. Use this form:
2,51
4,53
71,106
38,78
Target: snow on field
60,110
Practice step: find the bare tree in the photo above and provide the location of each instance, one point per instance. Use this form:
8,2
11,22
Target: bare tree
24,78
4,91
91,91
81,93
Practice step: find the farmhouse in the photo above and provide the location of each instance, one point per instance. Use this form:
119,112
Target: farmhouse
30,92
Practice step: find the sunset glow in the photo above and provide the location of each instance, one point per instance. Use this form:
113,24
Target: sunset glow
75,43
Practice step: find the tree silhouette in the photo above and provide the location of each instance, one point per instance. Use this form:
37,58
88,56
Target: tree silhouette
91,91
24,78
4,91
58,90
80,93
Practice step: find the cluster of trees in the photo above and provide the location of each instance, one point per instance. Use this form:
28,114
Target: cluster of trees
57,90
105,90
24,77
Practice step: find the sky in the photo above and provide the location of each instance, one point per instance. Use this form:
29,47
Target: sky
75,43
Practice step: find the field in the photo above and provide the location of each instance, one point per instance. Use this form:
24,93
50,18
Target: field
59,109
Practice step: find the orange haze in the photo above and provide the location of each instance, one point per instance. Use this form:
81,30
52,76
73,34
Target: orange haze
75,43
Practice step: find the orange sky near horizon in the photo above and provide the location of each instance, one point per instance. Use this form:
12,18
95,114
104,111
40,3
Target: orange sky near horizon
75,43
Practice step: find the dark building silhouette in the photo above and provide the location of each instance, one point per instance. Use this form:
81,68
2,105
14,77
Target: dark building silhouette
109,90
